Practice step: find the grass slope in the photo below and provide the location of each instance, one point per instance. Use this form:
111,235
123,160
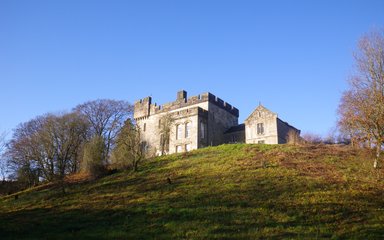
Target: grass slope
226,192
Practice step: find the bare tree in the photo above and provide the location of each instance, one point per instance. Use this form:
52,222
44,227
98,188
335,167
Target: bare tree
3,163
49,144
65,134
2,141
312,138
165,130
331,137
361,109
106,117
24,151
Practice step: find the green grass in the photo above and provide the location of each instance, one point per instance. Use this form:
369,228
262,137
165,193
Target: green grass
227,192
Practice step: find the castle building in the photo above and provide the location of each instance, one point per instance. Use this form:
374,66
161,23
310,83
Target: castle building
204,120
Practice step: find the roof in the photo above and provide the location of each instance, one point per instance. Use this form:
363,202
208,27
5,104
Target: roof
259,108
238,128
288,124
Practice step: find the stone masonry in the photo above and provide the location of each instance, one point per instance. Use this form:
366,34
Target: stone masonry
203,120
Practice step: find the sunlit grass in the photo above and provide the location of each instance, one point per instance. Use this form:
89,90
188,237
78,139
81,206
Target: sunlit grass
227,192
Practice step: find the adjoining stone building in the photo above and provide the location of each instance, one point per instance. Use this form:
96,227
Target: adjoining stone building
204,120
262,126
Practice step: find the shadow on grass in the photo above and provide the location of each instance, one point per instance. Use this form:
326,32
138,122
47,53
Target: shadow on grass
220,198
216,214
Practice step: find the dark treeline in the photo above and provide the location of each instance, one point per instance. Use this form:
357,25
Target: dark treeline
51,146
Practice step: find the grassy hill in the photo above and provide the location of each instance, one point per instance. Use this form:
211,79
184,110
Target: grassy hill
226,192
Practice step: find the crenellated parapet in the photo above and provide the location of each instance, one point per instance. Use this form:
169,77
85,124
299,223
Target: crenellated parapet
224,105
145,108
142,108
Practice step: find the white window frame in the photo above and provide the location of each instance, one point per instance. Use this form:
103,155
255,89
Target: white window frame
188,129
179,131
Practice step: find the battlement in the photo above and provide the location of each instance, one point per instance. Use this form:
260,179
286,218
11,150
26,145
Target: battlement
145,108
142,108
224,105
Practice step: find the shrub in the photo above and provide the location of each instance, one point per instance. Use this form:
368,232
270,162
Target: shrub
93,159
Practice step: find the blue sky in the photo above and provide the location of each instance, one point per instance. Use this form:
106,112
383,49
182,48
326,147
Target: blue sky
292,56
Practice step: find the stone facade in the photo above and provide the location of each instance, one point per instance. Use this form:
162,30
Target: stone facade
197,122
200,121
264,126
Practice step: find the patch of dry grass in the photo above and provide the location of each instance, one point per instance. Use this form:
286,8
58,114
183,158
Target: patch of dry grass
227,192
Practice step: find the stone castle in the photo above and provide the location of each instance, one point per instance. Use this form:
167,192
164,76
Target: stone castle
204,120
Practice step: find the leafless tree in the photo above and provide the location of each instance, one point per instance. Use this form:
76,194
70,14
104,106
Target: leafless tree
24,151
106,118
65,135
312,138
361,109
331,137
3,163
50,145
2,141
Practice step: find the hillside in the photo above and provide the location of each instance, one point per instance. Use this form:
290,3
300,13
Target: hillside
226,192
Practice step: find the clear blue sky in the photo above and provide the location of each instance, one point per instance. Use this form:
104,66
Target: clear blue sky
292,56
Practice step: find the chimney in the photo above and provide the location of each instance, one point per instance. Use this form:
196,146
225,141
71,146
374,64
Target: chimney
181,95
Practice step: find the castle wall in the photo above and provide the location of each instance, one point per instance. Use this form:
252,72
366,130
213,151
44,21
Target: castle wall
183,142
235,137
181,116
211,122
219,121
283,128
204,112
142,108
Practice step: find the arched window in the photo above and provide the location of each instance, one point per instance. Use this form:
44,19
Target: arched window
187,129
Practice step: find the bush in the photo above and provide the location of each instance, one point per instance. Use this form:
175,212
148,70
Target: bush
93,161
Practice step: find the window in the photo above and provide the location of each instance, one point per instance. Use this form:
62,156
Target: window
178,131
144,127
178,149
202,130
187,147
187,129
261,142
260,128
159,123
